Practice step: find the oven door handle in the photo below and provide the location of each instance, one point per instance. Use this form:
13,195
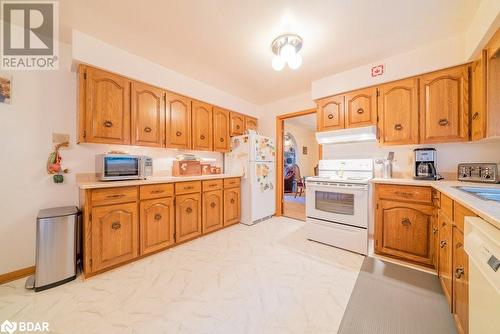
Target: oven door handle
333,187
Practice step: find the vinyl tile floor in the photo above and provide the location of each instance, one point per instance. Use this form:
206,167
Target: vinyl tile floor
266,278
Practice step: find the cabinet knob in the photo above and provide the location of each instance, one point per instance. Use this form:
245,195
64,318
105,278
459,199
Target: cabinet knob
443,122
178,133
475,116
189,210
157,216
406,222
442,243
202,137
232,201
221,140
330,116
360,111
237,127
147,129
115,196
398,127
434,230
212,205
459,272
116,225
108,124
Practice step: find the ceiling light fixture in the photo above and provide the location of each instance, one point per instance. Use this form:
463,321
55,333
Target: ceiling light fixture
286,51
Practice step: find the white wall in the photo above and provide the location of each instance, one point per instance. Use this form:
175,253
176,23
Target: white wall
307,138
485,22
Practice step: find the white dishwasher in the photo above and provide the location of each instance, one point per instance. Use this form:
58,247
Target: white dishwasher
482,244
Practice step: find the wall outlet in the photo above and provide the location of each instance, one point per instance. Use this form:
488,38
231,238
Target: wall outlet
58,138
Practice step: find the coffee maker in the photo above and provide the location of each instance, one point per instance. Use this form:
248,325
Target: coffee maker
425,164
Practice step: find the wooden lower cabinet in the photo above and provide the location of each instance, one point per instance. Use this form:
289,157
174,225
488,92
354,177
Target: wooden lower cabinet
445,255
231,206
187,217
460,282
157,224
114,235
213,216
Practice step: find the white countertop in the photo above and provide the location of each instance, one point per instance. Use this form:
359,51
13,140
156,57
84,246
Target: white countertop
91,182
488,210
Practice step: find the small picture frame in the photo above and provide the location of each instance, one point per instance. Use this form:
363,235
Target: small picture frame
304,150
5,88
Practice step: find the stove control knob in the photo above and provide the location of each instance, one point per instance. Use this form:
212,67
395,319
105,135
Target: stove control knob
487,176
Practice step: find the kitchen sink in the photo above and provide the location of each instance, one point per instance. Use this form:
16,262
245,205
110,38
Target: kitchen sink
490,194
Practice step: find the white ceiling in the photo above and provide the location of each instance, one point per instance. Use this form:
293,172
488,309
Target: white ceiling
306,122
226,43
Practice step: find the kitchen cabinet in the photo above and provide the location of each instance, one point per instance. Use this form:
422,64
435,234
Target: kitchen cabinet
237,124
231,206
157,224
202,128
213,216
478,98
250,123
444,103
178,121
398,112
114,235
445,255
148,115
330,113
361,108
221,123
187,217
492,55
104,105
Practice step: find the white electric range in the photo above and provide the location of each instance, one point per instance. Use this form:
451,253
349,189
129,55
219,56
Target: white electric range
337,204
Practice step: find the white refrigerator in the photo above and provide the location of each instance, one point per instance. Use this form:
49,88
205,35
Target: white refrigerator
253,156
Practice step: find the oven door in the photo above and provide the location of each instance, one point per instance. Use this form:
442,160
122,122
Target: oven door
121,167
339,203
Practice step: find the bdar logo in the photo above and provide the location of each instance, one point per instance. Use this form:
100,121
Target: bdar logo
8,327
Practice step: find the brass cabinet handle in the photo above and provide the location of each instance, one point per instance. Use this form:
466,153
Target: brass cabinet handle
475,116
116,225
459,272
330,116
442,243
237,127
212,185
406,222
108,124
189,210
434,230
147,129
188,188
398,127
212,205
115,196
232,201
404,194
178,133
202,137
157,216
443,122
458,245
157,191
221,140
360,111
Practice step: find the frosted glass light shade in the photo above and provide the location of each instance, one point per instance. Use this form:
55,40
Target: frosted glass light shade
295,61
278,63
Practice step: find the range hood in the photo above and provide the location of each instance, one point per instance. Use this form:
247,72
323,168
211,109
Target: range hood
354,135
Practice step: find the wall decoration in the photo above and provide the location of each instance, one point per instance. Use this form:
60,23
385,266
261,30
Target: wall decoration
54,164
377,70
5,88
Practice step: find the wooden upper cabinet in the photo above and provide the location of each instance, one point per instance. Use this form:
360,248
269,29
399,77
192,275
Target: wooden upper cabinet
237,124
202,129
178,121
157,224
361,108
444,105
478,98
187,217
331,113
250,123
213,218
493,86
221,130
148,115
398,112
114,235
107,107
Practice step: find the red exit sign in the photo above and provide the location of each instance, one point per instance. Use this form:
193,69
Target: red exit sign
377,70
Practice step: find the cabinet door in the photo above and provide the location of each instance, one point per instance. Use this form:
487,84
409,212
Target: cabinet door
107,108
212,211
398,112
157,224
237,124
250,123
221,130
114,235
202,126
148,115
460,282
187,217
444,106
404,230
331,113
231,206
361,108
478,97
178,121
445,255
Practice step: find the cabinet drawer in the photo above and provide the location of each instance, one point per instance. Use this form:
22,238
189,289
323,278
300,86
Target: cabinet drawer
187,187
156,191
446,206
212,185
232,183
405,193
114,195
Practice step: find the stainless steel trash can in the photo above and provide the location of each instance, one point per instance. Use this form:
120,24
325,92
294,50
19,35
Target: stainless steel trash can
56,247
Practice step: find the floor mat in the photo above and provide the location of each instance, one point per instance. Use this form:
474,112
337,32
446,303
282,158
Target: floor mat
389,298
